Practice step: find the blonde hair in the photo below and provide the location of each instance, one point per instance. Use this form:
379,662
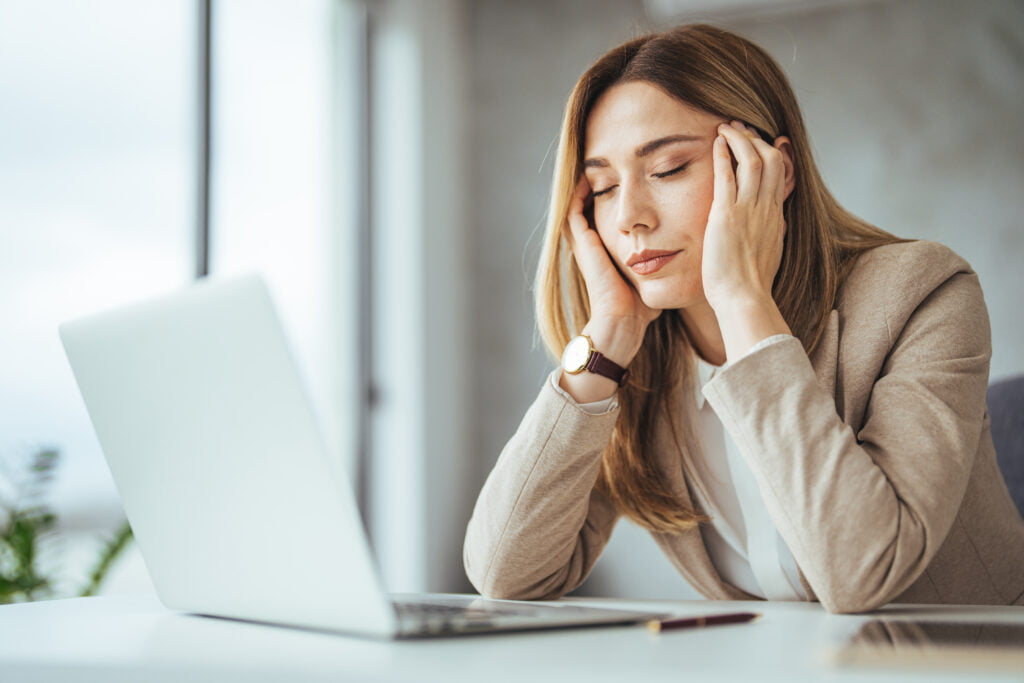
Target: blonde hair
726,75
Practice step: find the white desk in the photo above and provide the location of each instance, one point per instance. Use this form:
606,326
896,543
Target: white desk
113,639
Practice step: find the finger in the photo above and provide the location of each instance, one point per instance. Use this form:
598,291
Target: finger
583,189
771,191
577,220
586,244
773,170
749,162
725,179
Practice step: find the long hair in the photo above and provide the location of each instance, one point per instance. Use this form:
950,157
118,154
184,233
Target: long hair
726,75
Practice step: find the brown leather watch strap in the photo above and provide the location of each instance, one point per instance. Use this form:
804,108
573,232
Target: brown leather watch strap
599,365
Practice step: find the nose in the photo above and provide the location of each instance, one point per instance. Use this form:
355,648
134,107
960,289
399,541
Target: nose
635,210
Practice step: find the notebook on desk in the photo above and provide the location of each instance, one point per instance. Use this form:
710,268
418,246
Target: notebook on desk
977,647
238,507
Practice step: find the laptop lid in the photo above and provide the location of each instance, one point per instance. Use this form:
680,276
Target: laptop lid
238,508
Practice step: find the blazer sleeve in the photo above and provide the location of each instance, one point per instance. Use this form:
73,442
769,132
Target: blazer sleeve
864,508
539,524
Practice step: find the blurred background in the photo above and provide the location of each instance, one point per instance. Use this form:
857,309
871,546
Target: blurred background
385,164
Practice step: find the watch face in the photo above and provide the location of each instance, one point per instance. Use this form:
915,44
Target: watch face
576,354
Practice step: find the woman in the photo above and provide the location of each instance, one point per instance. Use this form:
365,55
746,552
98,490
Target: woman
791,400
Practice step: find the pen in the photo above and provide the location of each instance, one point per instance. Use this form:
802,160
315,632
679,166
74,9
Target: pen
700,622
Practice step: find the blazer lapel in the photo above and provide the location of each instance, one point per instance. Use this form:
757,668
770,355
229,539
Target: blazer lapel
690,557
686,550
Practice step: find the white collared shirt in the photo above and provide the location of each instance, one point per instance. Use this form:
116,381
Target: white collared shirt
742,541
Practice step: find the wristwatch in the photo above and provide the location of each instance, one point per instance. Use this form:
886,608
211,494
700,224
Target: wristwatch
580,355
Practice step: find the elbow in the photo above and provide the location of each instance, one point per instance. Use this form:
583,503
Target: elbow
854,595
872,580
497,583
476,572
850,603
501,571
857,590
494,588
489,581
498,591
486,585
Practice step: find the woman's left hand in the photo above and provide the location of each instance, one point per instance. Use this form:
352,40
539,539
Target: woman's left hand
744,237
743,241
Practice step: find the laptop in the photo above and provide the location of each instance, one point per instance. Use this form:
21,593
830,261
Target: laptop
238,508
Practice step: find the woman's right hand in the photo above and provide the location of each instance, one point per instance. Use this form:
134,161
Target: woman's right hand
611,296
618,316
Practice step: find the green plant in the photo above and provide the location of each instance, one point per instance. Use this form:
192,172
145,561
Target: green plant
111,551
26,522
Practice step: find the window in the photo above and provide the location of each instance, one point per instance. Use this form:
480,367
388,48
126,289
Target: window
286,153
96,166
99,168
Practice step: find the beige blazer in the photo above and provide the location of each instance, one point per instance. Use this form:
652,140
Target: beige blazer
874,458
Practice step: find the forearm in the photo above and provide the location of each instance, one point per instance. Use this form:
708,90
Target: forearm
538,525
745,321
618,340
862,513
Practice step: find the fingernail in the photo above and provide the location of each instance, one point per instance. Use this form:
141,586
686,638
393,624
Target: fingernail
738,125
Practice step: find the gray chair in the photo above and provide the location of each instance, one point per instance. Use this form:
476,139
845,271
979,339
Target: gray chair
1006,409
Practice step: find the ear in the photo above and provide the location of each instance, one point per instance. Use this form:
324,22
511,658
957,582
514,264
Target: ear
783,144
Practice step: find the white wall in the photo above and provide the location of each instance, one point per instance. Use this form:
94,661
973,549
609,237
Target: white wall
914,109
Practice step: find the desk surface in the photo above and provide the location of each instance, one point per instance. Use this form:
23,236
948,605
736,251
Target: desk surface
133,638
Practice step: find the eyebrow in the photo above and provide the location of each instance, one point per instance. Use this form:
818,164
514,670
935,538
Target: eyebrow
646,149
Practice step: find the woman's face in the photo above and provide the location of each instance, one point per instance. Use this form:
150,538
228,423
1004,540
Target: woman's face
648,160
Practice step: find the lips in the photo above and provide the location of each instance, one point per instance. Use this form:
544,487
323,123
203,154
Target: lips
650,261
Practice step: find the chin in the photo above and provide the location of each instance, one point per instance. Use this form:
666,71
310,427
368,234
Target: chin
669,293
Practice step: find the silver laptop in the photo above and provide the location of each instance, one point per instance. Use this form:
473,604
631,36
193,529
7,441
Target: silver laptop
238,508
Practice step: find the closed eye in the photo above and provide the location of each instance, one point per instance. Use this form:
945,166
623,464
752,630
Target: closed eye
598,193
675,170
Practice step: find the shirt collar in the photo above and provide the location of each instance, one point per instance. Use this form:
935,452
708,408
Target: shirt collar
705,372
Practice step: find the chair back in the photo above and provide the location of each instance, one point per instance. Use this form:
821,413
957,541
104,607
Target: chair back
1006,410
